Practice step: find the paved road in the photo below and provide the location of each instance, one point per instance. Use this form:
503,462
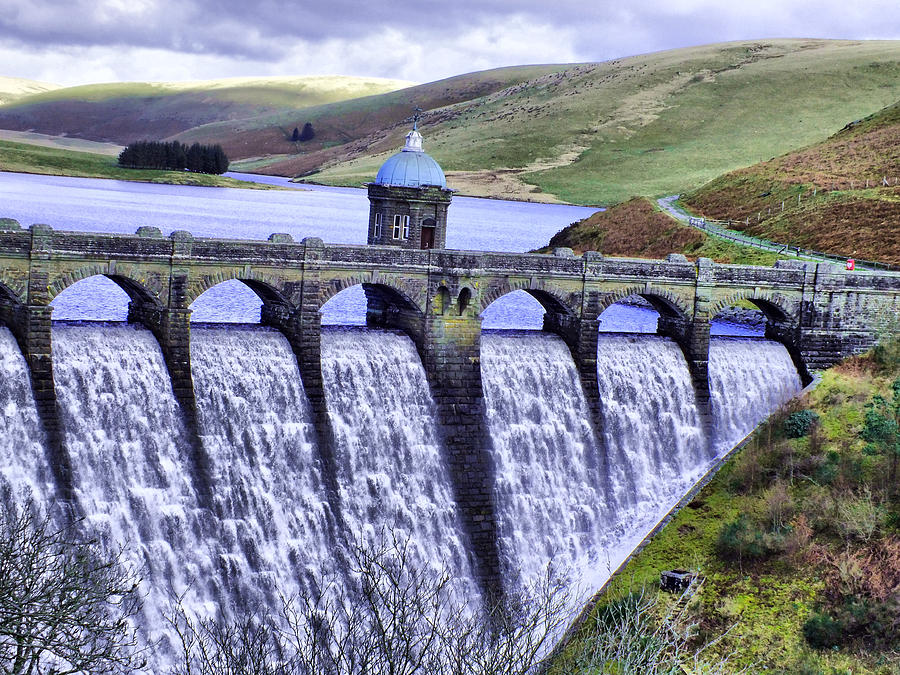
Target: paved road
668,205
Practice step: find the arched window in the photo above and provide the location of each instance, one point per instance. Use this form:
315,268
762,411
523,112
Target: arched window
465,295
379,220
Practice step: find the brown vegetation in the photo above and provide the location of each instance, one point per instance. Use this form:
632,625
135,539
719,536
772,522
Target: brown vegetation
828,204
633,228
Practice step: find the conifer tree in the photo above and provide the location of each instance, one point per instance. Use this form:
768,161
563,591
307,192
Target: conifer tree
308,132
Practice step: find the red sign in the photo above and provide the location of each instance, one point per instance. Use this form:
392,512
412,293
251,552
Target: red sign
851,263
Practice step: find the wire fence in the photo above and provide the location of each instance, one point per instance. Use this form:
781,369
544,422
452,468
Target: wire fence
721,228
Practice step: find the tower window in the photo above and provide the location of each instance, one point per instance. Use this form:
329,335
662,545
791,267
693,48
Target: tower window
401,227
379,219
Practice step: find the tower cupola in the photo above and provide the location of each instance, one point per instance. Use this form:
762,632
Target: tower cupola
409,198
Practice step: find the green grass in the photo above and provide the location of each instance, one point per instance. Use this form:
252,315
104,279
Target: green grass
24,158
663,123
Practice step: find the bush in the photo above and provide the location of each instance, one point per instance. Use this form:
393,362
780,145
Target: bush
800,423
741,539
823,632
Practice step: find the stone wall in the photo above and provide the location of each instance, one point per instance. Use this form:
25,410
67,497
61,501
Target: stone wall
821,312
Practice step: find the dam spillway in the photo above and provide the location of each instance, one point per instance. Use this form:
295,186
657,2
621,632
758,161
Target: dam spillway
565,491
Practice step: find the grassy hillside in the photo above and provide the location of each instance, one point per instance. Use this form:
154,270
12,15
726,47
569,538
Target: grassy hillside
129,111
836,212
587,133
361,128
27,158
637,228
651,124
14,88
798,536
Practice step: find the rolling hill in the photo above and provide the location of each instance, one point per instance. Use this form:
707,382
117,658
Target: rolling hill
594,133
841,195
15,88
127,111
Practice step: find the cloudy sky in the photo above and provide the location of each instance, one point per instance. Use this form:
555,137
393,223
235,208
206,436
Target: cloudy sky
81,41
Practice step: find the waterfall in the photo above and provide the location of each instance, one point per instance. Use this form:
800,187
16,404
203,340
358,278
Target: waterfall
24,469
580,502
748,379
564,494
131,467
257,429
551,489
391,473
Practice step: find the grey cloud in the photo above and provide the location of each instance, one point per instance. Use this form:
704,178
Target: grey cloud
268,31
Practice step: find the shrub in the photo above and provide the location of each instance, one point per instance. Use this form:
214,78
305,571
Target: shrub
741,539
859,518
822,631
800,423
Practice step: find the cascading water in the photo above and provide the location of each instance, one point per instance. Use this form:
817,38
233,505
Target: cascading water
551,490
391,475
563,494
563,497
131,469
748,379
257,430
24,469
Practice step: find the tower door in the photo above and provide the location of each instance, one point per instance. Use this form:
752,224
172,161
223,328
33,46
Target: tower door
428,226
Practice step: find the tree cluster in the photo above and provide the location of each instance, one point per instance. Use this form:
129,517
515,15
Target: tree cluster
307,134
393,618
174,156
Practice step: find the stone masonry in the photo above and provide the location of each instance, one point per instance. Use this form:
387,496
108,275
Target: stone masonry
821,312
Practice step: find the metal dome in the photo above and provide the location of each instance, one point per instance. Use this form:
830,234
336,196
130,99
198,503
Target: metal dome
411,167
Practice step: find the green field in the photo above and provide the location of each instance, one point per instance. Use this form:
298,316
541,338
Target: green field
660,123
594,133
25,158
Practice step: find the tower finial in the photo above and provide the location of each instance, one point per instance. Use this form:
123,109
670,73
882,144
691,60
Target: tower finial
414,138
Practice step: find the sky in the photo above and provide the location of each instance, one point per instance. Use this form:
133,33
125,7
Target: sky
72,42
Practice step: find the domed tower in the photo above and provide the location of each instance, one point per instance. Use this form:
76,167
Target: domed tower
408,200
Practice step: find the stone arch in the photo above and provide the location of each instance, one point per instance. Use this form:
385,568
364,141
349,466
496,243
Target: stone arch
550,297
386,287
666,303
11,291
138,288
10,306
268,287
9,295
781,322
772,305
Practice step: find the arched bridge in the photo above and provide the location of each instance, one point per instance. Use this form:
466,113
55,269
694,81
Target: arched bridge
821,313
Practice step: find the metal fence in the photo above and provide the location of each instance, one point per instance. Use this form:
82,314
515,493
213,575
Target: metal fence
720,228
